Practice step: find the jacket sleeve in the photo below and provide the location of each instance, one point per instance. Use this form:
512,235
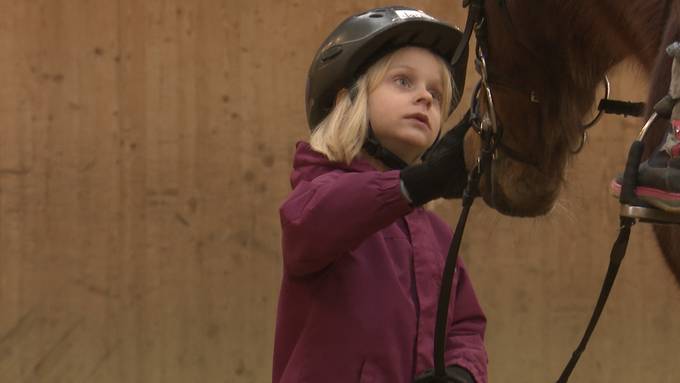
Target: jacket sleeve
334,213
465,343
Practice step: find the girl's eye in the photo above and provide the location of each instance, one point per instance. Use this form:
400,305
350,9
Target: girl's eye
436,95
402,81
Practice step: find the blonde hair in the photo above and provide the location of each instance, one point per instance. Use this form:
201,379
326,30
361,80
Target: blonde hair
342,133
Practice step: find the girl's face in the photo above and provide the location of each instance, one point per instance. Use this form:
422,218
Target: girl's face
405,108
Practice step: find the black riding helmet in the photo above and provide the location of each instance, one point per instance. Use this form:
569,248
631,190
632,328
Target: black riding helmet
362,39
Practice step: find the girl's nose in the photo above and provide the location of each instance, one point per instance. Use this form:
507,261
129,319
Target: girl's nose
423,96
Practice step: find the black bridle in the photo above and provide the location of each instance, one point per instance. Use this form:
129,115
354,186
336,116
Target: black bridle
490,131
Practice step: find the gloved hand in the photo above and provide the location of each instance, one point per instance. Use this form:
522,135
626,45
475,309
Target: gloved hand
442,173
459,375
454,374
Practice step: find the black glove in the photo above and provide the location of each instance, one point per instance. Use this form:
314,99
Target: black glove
454,374
458,374
442,173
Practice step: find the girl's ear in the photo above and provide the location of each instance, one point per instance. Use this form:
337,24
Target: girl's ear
341,93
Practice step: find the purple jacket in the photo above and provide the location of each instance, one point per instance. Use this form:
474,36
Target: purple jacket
362,270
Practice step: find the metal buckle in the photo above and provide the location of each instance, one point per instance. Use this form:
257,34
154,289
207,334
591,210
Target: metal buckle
649,214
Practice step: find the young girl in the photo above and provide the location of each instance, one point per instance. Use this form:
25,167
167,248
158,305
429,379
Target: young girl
362,260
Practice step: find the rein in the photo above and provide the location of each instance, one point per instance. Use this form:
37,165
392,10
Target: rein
491,132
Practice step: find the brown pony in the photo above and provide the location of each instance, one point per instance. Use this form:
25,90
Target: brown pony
546,58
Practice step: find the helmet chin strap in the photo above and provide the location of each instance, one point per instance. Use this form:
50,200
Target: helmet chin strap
373,147
436,140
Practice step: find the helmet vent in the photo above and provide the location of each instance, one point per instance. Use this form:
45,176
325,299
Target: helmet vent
331,53
375,15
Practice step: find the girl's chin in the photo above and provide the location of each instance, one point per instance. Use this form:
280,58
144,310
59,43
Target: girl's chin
409,146
412,154
416,143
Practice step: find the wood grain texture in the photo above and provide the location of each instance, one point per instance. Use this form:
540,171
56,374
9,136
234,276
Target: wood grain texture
144,150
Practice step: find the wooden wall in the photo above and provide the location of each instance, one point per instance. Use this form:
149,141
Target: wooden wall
144,151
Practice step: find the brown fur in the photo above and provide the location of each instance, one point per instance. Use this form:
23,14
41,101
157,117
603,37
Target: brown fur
561,50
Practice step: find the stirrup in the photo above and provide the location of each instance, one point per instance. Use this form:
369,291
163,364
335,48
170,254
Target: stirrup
649,214
631,205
